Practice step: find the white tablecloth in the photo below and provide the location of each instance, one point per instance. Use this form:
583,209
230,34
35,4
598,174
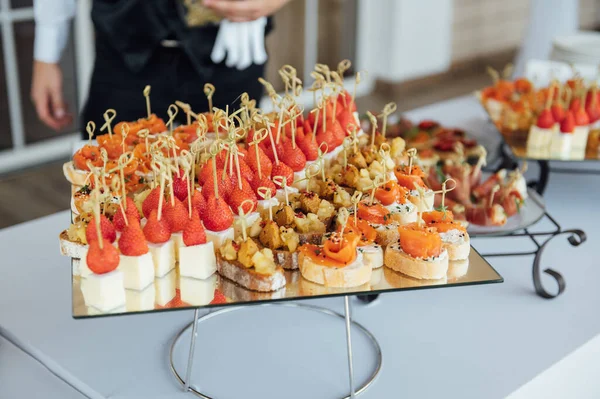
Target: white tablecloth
470,342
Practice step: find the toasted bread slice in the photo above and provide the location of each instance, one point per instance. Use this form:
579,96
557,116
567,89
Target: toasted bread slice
237,293
457,243
75,176
70,248
425,269
286,259
248,277
387,233
310,238
353,275
457,268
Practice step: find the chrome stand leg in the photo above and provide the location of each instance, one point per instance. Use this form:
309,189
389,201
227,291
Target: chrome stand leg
188,373
348,318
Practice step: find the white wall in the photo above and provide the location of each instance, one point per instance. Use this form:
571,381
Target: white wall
405,39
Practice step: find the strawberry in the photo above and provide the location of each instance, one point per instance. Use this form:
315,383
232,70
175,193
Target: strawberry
345,100
545,120
102,260
300,133
151,201
581,117
131,212
194,233
218,298
575,105
245,170
225,184
558,112
198,201
238,196
347,121
176,215
336,130
293,157
157,231
206,172
217,215
106,227
309,147
180,186
222,158
269,150
265,163
132,242
568,124
264,182
285,171
308,128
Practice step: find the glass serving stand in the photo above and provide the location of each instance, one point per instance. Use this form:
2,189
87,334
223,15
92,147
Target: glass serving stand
173,292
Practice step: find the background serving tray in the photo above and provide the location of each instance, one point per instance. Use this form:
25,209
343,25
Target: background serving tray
173,292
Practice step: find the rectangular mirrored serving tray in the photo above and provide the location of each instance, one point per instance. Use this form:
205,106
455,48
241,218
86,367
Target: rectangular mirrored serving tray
173,292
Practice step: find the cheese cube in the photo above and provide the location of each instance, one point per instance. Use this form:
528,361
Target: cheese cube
84,270
138,271
197,292
237,223
197,261
177,239
104,291
163,257
92,311
218,238
140,300
165,288
264,205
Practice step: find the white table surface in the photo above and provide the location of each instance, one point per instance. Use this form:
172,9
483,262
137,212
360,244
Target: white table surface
469,342
22,376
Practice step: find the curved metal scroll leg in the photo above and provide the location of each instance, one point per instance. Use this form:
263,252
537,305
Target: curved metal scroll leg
576,238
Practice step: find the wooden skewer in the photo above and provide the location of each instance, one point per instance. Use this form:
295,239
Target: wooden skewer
108,116
90,128
355,199
244,216
265,193
412,152
147,96
209,91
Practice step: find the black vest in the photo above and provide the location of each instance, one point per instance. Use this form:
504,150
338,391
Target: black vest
135,29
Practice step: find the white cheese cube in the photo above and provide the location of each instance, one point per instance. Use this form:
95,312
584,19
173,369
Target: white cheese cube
92,311
237,223
166,288
84,270
138,271
104,291
163,257
300,179
138,301
177,239
264,205
197,292
197,261
561,145
580,136
218,238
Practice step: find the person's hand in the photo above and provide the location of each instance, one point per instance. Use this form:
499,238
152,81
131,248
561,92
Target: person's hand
244,10
47,95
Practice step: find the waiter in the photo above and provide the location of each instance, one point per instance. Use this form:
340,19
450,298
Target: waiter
176,46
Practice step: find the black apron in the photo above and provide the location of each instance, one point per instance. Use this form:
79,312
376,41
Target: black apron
129,56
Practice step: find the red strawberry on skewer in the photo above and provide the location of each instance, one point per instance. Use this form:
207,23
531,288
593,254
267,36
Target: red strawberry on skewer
198,201
194,233
151,201
131,212
157,231
180,186
264,182
293,156
106,227
102,260
176,214
217,215
133,242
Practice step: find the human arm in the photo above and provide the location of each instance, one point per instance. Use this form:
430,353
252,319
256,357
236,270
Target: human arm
52,18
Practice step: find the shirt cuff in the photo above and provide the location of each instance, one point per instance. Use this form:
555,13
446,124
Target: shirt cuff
50,41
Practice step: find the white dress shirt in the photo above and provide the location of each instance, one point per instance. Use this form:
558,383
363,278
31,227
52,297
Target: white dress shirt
52,18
